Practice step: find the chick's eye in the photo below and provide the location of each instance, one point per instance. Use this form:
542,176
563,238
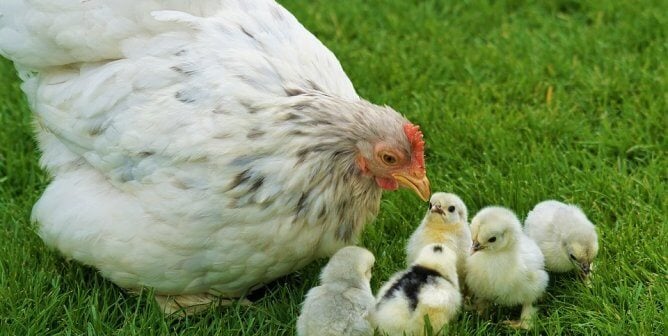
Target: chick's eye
572,256
389,159
451,208
430,205
491,240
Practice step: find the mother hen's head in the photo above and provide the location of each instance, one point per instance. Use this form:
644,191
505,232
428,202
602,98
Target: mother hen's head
379,142
397,161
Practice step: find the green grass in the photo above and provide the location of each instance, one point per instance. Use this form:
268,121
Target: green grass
475,75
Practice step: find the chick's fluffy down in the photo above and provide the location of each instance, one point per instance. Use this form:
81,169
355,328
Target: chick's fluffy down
343,303
508,266
446,222
428,288
564,234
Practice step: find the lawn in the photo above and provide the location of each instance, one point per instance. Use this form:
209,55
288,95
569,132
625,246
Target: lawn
519,102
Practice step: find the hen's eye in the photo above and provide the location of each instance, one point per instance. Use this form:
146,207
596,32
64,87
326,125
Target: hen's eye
389,159
451,208
491,240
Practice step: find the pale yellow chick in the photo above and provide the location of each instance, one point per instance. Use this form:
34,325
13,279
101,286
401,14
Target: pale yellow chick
444,223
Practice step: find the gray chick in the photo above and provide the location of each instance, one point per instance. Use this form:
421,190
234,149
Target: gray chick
343,302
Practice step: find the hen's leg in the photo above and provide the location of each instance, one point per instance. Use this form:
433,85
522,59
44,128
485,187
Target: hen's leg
191,304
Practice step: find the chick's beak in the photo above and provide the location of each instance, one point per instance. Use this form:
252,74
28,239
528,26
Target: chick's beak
476,247
436,209
586,268
419,184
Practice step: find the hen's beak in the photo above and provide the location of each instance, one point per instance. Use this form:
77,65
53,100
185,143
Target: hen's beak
418,184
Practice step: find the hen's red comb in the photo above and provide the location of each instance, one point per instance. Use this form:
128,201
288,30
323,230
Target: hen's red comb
414,136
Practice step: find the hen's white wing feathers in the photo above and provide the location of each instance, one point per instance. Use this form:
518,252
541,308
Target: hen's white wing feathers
100,110
256,63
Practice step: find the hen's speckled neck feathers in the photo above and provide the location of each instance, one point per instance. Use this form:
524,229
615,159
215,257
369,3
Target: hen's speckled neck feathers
320,135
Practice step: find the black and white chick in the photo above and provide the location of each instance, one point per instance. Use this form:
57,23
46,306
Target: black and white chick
446,222
506,267
343,303
565,235
428,287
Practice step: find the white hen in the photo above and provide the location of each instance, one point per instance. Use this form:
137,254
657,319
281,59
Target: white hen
565,235
506,266
201,148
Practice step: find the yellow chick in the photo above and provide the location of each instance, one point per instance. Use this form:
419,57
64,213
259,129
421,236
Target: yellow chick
444,223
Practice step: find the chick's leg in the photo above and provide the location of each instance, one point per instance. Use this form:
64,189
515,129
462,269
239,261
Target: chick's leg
526,317
480,305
